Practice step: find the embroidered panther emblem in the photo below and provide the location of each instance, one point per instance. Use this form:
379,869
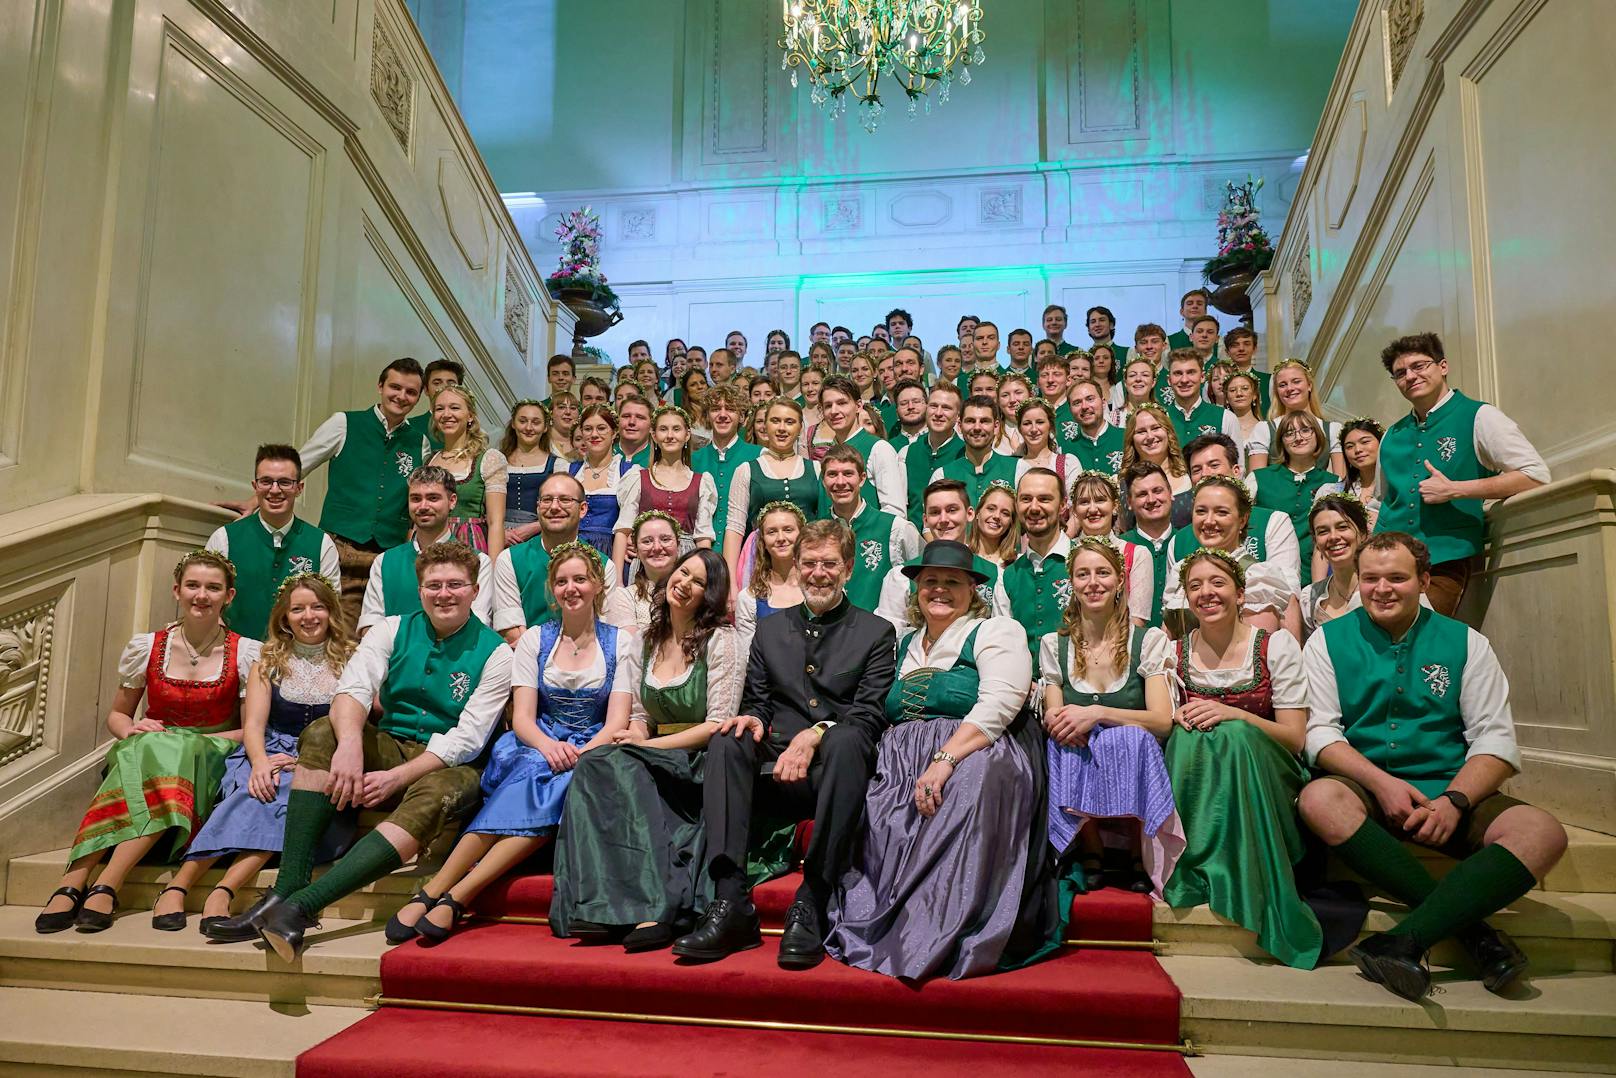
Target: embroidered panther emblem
870,551
1446,448
1070,430
459,686
1114,459
406,464
1063,591
1436,679
300,564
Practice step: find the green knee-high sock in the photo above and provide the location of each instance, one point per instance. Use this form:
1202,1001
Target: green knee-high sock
1375,854
371,858
1479,886
308,814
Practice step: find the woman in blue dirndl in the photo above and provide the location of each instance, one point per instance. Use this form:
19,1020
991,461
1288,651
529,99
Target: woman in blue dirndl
561,682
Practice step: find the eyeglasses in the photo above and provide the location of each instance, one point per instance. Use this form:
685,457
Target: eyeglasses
1297,434
558,499
1419,366
454,587
277,484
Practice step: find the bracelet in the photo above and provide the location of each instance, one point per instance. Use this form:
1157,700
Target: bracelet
946,757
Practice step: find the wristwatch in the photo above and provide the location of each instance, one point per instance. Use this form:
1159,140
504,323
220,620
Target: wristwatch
946,757
1460,801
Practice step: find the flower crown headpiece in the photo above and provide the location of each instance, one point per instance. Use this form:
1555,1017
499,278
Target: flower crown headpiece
574,548
1096,542
1104,477
1222,557
783,506
204,556
670,409
298,580
1229,482
656,514
1293,362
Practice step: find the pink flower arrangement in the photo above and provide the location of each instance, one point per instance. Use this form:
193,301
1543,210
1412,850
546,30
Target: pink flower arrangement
579,235
1242,241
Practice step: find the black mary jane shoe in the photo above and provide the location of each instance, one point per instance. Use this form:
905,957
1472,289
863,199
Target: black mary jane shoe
802,945
170,922
49,923
655,937
432,933
399,932
243,927
1093,873
89,920
726,927
1496,957
208,922
282,926
1139,881
1395,961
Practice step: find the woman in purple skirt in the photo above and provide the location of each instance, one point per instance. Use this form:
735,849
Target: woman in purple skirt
1107,706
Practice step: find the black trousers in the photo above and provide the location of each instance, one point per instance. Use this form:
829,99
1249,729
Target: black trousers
739,780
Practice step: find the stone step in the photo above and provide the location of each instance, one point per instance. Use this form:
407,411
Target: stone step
1220,1066
61,1034
1560,931
131,957
1563,1022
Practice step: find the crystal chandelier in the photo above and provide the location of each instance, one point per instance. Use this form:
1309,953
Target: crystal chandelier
847,45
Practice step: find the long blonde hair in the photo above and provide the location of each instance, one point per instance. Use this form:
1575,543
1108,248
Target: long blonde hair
1115,632
1009,543
279,639
759,585
476,440
1175,453
1277,410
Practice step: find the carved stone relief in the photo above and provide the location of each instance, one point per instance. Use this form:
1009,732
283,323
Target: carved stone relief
390,83
638,223
1402,19
1000,206
518,308
25,649
841,215
1301,283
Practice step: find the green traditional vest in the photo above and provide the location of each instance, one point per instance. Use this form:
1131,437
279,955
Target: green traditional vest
1038,597
429,680
805,492
401,588
864,442
1178,339
1160,551
919,462
888,410
998,470
964,378
1207,418
531,564
261,566
367,495
898,440
1400,700
1131,697
872,555
469,501
1447,440
642,458
721,466
678,708
1102,454
929,693
1282,490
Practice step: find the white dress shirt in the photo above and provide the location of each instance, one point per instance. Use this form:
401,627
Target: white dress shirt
366,672
506,596
1002,663
329,438
1500,446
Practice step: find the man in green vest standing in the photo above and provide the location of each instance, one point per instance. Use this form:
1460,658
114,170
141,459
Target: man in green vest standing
372,453
727,451
271,543
1440,463
880,539
443,678
1037,580
980,466
1192,415
910,398
839,406
1409,719
634,430
1150,496
1191,305
521,572
1097,444
937,447
392,589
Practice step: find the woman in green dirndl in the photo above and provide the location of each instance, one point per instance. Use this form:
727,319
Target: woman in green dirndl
642,790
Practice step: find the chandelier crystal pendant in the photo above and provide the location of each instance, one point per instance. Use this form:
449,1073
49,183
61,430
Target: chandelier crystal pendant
846,46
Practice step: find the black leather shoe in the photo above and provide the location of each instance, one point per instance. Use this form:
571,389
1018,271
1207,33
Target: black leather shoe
595,932
170,922
282,927
1494,954
47,923
802,944
430,932
1396,961
399,932
726,927
243,927
208,922
653,937
89,920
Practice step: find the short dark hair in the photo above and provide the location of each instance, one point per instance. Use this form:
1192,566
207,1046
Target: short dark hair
899,312
845,454
445,365
1143,469
696,348
1103,310
1183,355
964,318
558,359
816,325
638,344
842,330
430,474
1239,333
1424,344
1148,329
1018,332
1203,293
277,451
841,383
1206,441
1395,540
408,365
579,483
982,400
1055,307
946,486
908,383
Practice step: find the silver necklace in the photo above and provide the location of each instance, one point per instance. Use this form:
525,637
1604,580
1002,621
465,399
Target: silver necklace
194,655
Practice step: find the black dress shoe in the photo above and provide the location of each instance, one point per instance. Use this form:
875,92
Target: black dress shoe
1396,961
47,923
89,920
170,922
207,922
1494,954
243,927
727,927
282,927
595,932
802,944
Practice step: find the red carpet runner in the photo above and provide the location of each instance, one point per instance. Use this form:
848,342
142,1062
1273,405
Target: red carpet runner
659,1017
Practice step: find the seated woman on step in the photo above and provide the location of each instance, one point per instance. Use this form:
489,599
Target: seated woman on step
560,686
628,864
1220,519
1106,705
163,769
289,687
954,875
1233,762
655,539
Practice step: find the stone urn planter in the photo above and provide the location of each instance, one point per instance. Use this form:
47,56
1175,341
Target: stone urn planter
594,317
1229,290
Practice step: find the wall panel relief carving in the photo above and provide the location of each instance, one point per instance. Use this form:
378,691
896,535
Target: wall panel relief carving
841,215
1301,284
737,120
1402,20
1000,206
390,83
25,654
1346,162
518,308
638,223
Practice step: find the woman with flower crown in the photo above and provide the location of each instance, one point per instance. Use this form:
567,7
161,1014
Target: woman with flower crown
1232,759
163,768
291,685
1294,480
1096,507
773,585
669,484
1220,520
478,517
526,445
657,543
